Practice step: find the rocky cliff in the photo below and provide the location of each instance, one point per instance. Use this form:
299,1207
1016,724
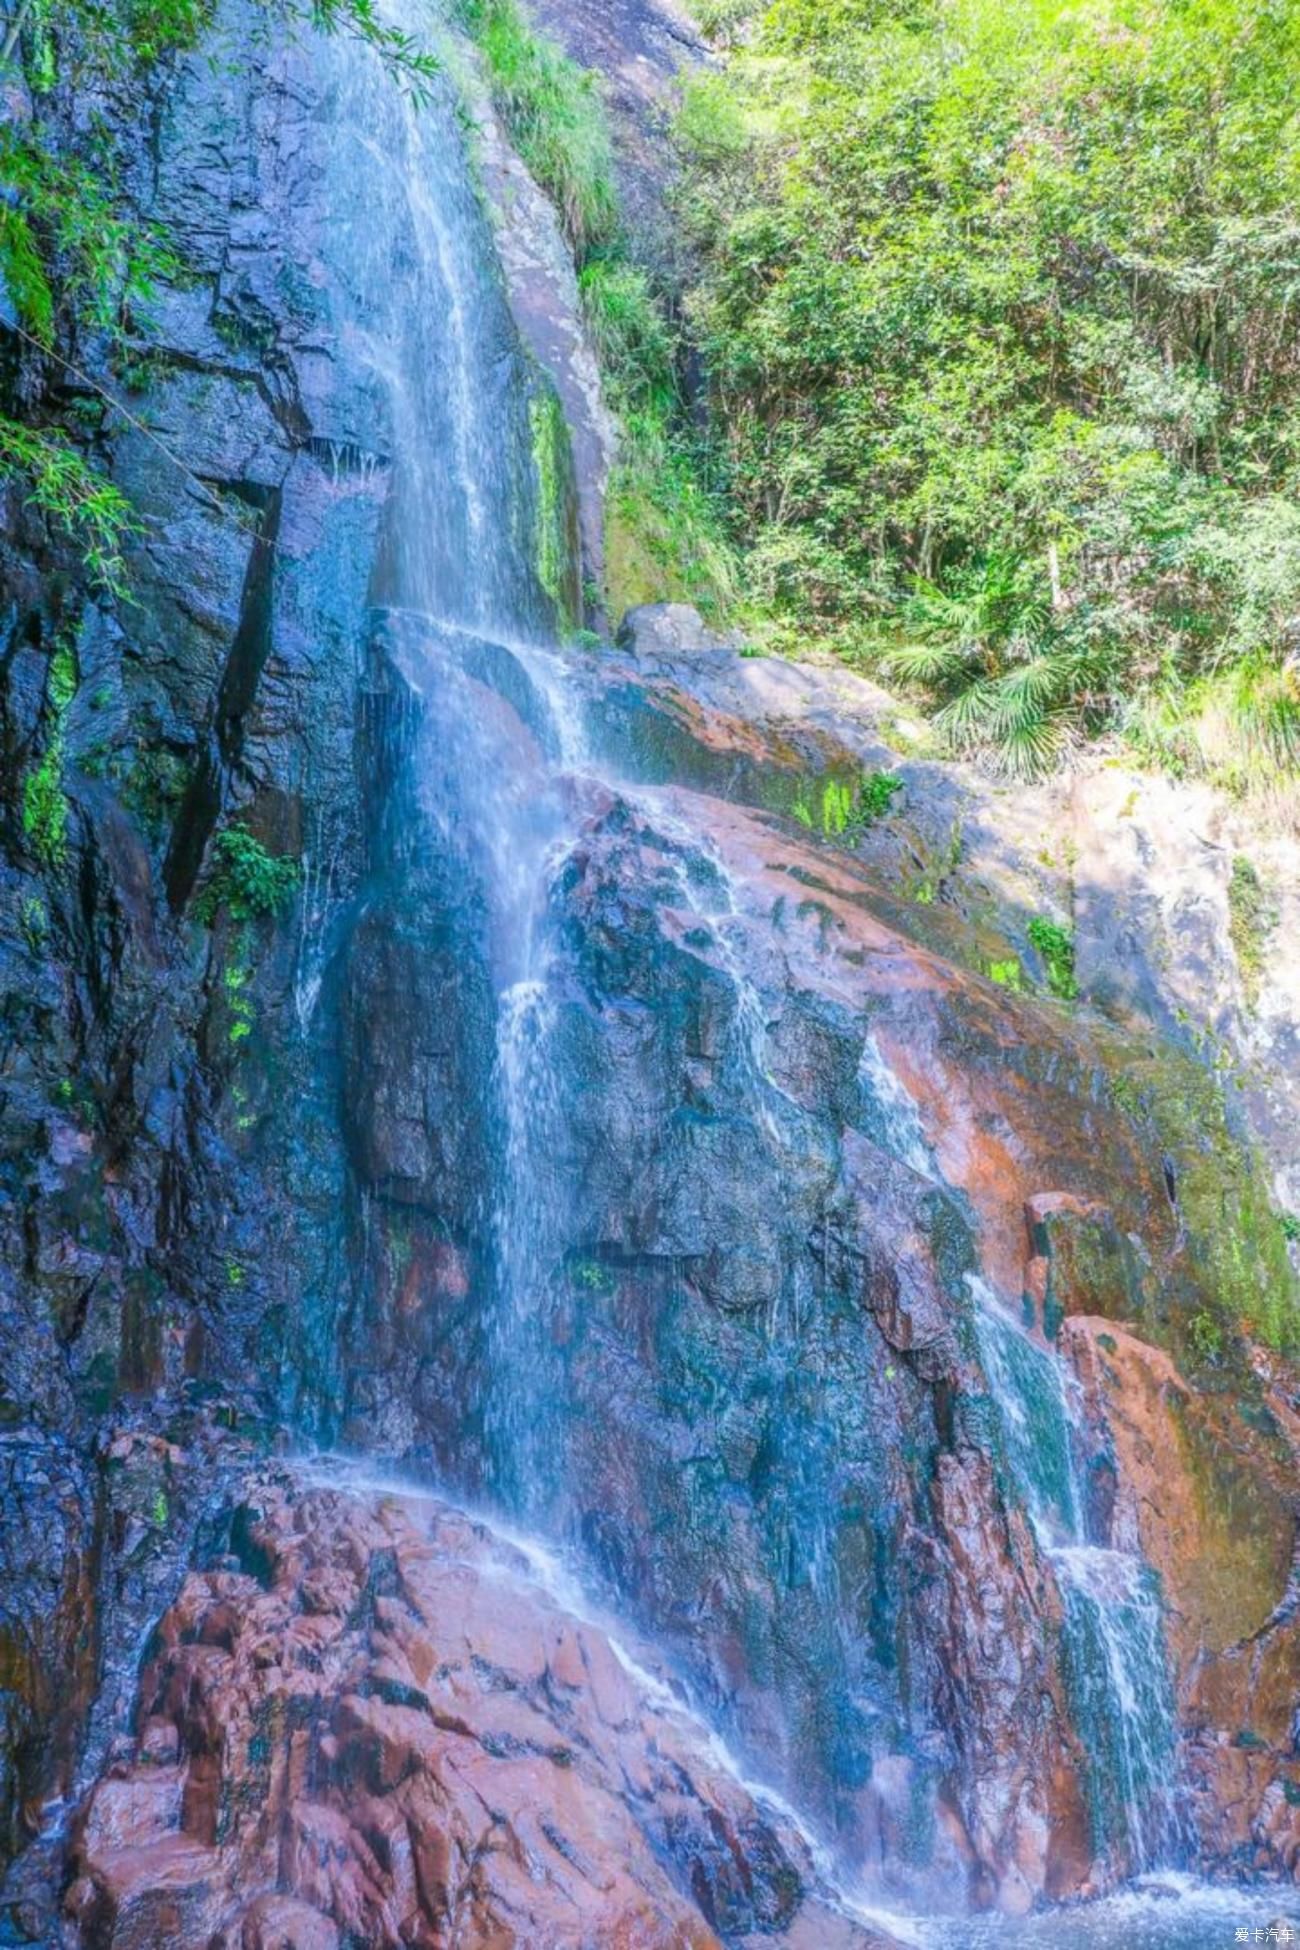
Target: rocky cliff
791,1152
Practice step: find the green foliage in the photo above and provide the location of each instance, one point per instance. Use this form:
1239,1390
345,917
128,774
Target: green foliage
1008,975
1252,919
250,883
73,253
553,477
843,810
876,795
62,233
665,539
1056,946
555,116
631,335
995,300
665,536
76,498
89,41
725,22
1206,1336
45,806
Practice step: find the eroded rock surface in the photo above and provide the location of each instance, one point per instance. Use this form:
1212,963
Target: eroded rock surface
1210,1500
376,1725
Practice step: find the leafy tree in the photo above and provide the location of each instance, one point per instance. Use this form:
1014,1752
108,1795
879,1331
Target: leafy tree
997,300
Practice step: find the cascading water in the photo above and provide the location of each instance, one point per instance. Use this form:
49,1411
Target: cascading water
486,818
1113,1638
457,597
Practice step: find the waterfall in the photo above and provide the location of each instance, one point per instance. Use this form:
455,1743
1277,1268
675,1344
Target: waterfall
1113,1638
495,782
463,619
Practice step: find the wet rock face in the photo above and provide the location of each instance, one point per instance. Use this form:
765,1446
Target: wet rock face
789,1138
1209,1498
381,1728
246,1177
767,1301
168,1097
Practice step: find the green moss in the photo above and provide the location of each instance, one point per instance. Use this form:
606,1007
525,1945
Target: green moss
45,805
1007,975
1252,920
35,923
45,809
591,1277
553,518
837,808
1236,1243
1206,1336
1123,1094
236,981
62,683
154,786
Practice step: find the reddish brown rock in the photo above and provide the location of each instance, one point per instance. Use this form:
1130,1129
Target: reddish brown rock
1024,1810
1212,1506
394,1735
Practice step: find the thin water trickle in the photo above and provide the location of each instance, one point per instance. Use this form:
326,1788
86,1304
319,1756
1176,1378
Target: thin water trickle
899,1117
1113,1639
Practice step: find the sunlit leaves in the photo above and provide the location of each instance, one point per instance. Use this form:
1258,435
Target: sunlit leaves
995,289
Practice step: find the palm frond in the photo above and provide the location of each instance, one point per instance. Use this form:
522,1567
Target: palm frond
933,662
1031,747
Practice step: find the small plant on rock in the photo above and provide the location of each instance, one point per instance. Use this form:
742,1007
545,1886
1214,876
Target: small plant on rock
1056,946
876,795
248,881
1206,1337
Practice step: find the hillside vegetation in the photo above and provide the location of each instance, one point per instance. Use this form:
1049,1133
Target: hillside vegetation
998,305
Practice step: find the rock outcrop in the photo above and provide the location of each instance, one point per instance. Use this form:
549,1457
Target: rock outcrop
1209,1497
372,1723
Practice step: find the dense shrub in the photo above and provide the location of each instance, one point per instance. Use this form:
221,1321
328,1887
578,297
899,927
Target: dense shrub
997,300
